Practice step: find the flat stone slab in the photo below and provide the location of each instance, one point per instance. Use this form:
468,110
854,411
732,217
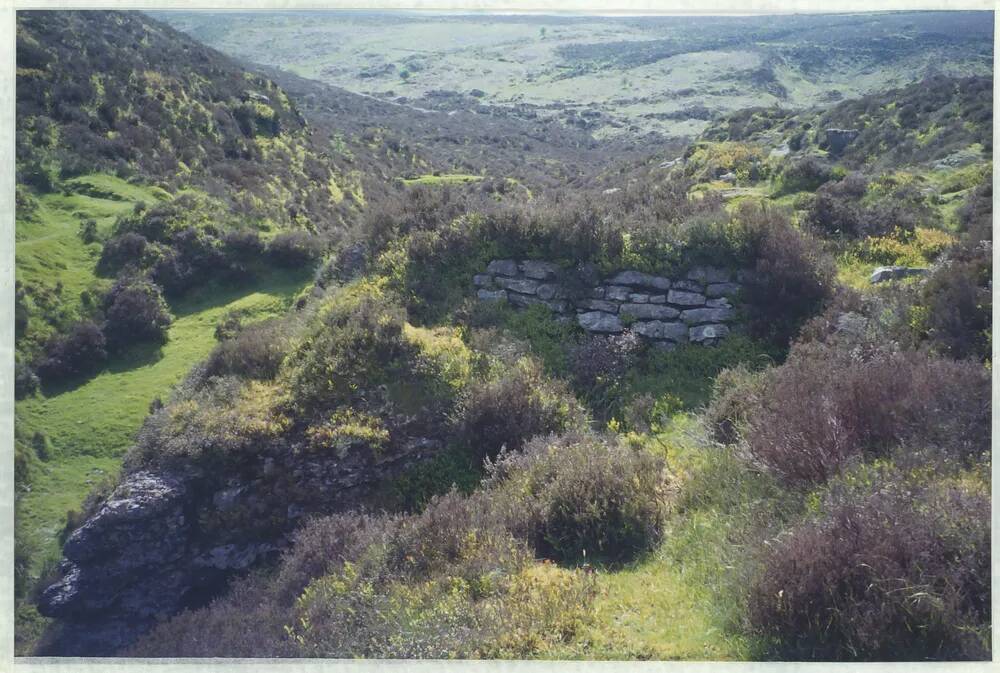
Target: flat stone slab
522,285
704,333
539,270
682,298
492,295
657,329
649,311
599,321
694,316
504,267
722,289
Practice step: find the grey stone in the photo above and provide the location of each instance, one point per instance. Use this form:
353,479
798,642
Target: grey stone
482,280
550,291
616,293
504,267
598,305
522,285
699,315
722,289
538,269
689,286
852,323
884,273
639,298
598,321
682,298
657,299
492,295
705,333
629,278
597,293
525,300
656,329
838,139
721,302
649,311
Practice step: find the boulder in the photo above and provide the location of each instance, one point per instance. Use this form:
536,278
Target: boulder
838,139
599,321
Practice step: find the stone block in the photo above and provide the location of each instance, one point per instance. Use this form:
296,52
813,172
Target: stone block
649,311
682,298
598,321
503,267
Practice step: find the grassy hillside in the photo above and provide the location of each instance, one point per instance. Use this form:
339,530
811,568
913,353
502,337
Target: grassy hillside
615,76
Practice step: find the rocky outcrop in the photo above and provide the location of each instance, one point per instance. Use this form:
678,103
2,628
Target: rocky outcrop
667,311
884,273
164,541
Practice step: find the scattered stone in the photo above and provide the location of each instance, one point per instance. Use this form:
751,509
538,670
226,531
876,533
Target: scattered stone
649,311
598,321
704,333
504,267
682,298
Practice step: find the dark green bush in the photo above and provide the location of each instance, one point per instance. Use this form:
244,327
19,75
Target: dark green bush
255,352
295,249
81,351
134,311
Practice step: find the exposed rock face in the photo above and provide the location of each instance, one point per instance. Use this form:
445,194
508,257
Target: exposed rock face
884,273
666,311
164,541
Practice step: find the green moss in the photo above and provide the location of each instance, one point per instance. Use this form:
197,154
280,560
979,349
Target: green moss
442,179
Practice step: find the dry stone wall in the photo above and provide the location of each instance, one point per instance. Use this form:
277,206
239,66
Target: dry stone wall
696,308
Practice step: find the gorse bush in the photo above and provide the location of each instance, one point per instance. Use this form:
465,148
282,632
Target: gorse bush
823,410
899,573
295,249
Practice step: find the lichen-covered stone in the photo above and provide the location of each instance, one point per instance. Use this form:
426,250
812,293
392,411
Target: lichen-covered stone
637,298
599,321
682,298
649,311
503,267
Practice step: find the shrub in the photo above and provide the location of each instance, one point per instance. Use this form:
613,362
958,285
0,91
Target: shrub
791,280
900,573
25,379
579,497
600,363
735,394
954,307
805,174
508,410
975,215
295,249
256,352
134,311
124,250
77,353
823,409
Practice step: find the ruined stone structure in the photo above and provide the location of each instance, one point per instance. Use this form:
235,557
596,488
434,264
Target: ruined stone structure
697,307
